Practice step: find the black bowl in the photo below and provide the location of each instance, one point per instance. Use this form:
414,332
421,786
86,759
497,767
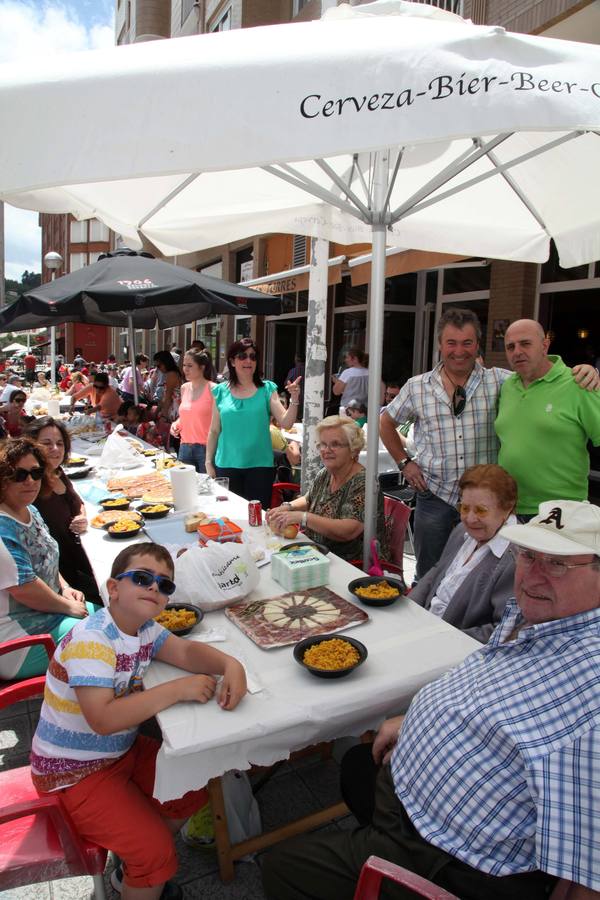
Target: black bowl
302,646
116,503
375,579
123,535
181,632
154,515
80,473
313,544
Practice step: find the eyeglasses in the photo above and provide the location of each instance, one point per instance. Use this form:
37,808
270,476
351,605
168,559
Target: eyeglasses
459,400
464,509
21,475
241,356
334,445
551,567
146,579
20,401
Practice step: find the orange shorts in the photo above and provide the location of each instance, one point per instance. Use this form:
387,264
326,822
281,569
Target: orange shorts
115,808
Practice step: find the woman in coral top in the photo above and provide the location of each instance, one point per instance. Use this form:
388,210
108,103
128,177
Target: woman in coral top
195,410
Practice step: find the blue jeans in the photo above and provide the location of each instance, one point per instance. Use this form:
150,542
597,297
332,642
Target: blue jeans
433,521
193,455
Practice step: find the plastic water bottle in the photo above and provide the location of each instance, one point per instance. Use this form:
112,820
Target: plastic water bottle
98,423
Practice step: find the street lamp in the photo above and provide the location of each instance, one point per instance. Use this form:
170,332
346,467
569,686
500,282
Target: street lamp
53,261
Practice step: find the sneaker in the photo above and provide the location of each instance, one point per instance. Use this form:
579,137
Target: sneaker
171,891
199,830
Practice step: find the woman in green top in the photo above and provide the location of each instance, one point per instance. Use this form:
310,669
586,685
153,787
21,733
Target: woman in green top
239,441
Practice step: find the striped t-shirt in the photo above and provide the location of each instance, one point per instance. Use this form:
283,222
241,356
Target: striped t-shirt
95,653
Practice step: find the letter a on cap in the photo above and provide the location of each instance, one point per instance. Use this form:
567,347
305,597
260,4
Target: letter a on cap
555,516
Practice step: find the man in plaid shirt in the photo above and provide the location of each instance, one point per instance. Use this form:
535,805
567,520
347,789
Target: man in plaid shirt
491,788
453,408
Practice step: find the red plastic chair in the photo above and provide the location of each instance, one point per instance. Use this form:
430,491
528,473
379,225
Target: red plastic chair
278,489
38,841
13,691
397,515
375,870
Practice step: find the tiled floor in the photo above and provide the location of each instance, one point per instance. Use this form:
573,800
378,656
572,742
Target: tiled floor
303,786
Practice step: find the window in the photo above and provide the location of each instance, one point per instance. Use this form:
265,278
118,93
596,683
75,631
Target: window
186,8
94,257
98,231
299,251
78,261
223,23
298,5
78,232
214,269
242,327
189,336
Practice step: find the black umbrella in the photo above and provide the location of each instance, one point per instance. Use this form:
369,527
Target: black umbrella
126,287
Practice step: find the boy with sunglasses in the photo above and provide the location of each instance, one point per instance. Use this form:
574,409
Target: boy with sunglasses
86,744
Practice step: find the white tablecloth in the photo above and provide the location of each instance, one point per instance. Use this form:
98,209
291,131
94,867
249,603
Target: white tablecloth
407,646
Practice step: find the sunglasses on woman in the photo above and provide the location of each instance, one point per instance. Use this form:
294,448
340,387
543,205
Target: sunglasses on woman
19,400
141,578
21,475
241,356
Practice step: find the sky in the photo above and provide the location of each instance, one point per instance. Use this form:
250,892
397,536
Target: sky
45,27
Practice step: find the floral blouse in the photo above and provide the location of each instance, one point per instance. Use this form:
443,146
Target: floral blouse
348,502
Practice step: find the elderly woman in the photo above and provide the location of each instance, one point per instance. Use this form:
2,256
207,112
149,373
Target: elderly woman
62,508
473,580
34,597
333,510
239,440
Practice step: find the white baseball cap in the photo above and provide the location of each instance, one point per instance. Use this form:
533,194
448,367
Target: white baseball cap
562,528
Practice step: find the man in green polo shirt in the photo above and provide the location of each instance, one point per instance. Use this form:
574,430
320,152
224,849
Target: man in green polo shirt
544,422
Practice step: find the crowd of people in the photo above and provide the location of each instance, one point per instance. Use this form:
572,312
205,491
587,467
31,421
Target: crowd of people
490,786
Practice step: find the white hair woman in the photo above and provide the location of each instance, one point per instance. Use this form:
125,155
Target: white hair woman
333,510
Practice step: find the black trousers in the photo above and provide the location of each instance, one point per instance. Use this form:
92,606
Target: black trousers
326,865
253,484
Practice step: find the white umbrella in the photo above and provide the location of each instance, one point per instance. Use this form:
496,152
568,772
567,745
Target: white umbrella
15,348
417,129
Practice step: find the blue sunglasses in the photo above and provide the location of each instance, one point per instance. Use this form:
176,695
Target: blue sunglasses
147,579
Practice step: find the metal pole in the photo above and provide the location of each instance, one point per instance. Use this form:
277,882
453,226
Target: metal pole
376,303
53,350
316,358
131,342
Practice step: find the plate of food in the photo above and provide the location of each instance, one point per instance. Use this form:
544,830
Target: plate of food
179,618
135,444
123,529
75,461
115,503
373,590
330,655
150,451
136,486
113,515
168,462
154,510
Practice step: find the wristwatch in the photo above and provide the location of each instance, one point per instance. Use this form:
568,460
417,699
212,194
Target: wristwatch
403,463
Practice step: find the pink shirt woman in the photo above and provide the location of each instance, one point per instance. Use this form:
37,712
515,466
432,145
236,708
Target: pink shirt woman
195,410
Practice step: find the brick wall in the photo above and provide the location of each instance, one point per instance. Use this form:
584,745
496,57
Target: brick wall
512,297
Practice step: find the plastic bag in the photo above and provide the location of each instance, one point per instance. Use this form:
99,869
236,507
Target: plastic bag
214,576
241,807
118,452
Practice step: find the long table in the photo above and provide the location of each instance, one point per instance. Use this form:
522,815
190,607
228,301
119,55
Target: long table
290,709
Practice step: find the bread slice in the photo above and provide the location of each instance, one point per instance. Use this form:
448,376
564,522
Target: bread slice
192,521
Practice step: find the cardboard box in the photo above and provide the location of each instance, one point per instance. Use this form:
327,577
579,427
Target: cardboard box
300,567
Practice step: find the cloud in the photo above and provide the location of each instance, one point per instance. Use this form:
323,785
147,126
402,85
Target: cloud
36,28
22,242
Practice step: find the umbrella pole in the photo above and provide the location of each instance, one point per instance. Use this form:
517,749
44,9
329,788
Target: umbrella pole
131,342
376,302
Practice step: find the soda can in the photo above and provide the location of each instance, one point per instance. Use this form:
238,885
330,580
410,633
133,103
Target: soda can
255,512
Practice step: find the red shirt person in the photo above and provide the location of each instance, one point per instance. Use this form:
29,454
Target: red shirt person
30,362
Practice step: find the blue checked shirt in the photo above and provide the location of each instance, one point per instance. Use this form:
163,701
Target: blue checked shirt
447,444
498,761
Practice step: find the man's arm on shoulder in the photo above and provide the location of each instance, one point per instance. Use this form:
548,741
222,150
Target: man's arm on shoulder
586,376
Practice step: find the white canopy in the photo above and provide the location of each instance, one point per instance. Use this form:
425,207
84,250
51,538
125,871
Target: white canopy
15,348
179,138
